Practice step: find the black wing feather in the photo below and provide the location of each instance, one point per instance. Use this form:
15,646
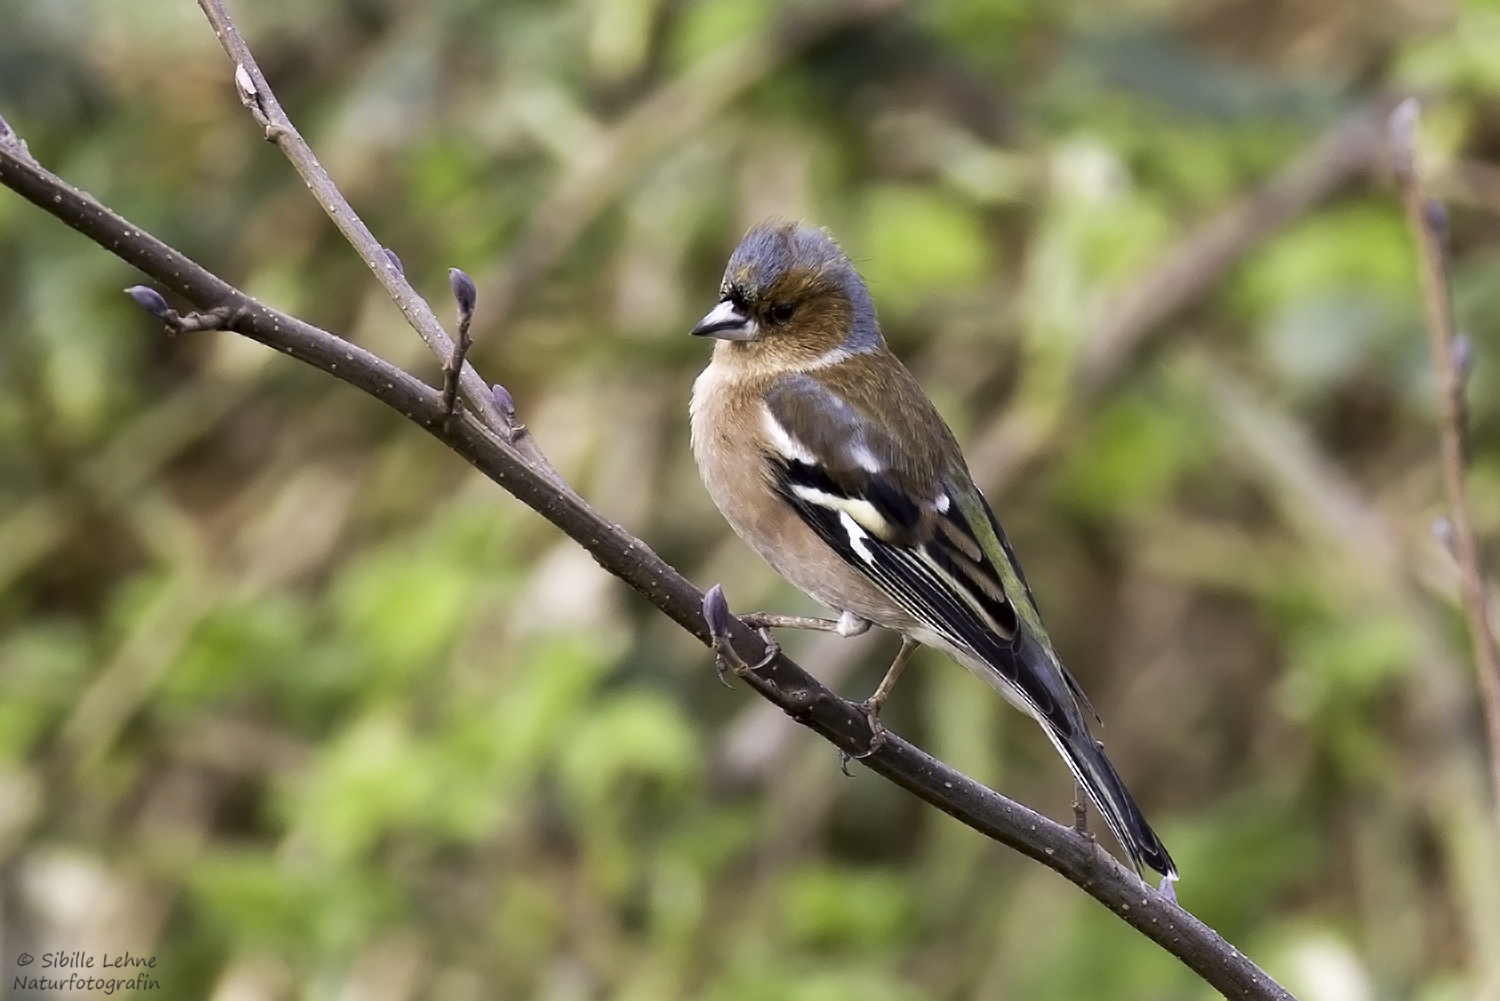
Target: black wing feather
928,582
927,558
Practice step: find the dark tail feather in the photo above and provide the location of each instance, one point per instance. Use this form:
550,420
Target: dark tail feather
1114,802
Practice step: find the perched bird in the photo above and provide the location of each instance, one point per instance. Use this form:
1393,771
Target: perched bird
824,454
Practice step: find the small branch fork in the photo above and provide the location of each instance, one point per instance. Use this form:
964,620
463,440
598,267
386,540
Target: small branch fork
152,301
258,98
511,461
1451,360
466,296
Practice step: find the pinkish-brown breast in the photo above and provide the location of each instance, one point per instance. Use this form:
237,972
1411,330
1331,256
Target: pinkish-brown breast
733,459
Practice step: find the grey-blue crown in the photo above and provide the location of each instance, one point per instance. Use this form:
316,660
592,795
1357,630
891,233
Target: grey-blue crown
771,249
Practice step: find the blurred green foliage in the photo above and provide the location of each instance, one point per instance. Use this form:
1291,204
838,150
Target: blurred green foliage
293,701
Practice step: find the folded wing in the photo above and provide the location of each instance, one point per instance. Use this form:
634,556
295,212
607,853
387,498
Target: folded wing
934,546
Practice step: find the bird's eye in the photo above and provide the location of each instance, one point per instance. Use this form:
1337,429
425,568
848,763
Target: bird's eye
783,311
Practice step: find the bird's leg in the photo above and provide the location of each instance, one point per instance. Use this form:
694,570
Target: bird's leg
1081,812
847,624
717,616
872,705
727,658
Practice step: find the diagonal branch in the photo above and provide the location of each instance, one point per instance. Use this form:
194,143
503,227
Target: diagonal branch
1428,221
781,681
671,113
256,94
258,98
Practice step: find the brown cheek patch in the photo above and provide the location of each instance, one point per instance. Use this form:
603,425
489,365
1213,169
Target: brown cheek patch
826,315
835,311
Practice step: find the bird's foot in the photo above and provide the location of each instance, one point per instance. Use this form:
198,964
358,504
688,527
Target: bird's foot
1081,814
773,650
716,616
847,624
726,657
727,660
871,710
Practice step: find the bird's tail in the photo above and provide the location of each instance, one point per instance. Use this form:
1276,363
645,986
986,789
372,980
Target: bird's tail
1107,790
1028,673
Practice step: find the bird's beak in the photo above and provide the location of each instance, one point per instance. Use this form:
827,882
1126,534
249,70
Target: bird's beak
726,322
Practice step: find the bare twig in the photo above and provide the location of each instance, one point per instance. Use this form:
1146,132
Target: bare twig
256,94
671,113
1428,221
779,680
466,297
1373,572
152,301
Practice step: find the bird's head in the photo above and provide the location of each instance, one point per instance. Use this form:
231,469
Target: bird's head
791,298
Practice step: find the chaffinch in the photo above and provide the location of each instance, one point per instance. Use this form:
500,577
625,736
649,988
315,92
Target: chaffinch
824,454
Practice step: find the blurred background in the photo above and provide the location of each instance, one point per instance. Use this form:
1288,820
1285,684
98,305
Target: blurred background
295,702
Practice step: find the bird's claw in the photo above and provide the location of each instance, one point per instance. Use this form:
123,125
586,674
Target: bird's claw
877,736
1081,814
716,616
773,649
723,665
877,729
727,658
